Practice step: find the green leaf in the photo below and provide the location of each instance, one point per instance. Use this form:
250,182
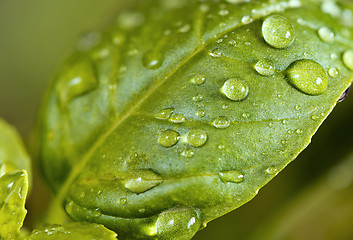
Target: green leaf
13,193
82,231
13,155
171,122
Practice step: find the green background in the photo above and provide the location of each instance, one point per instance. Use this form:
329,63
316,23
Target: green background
311,199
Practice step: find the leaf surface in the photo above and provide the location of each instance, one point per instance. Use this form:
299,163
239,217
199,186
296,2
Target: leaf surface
184,111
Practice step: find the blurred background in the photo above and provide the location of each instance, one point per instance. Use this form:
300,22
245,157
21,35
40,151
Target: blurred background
311,199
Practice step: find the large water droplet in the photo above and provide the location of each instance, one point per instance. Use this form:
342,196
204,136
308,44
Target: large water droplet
233,176
235,89
326,34
221,122
278,32
169,138
348,59
265,67
333,72
197,138
177,223
79,80
308,76
165,114
153,59
178,118
140,185
198,80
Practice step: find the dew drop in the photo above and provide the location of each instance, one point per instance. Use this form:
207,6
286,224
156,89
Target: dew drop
200,113
140,185
80,79
169,138
178,118
233,176
326,34
223,12
278,32
348,59
297,107
197,138
308,76
221,122
153,59
197,98
165,114
315,117
333,72
265,67
299,131
235,89
188,153
272,170
199,79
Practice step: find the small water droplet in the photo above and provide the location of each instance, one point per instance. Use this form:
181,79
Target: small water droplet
197,138
188,153
265,67
284,122
184,29
272,170
246,115
278,32
308,76
169,138
96,213
165,114
284,142
299,131
223,12
333,72
221,122
246,19
199,79
200,113
221,147
290,131
348,59
233,176
153,59
178,118
216,52
315,117
297,107
235,89
80,79
270,125
198,98
326,34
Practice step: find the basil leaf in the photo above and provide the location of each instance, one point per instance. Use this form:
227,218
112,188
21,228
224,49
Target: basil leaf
13,156
184,111
82,231
13,193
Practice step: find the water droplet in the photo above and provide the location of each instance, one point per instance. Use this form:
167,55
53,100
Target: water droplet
326,34
272,170
348,59
221,122
246,19
299,131
143,181
79,80
197,138
284,122
182,222
333,72
308,76
265,67
178,118
185,28
297,107
221,147
233,176
315,117
187,153
223,12
270,125
216,52
153,59
165,114
284,142
169,138
200,113
278,32
235,89
88,41
198,98
199,79
96,213
246,115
